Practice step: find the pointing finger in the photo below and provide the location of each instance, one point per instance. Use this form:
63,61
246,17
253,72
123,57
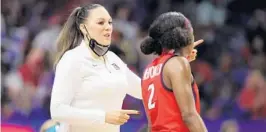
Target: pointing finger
135,112
198,42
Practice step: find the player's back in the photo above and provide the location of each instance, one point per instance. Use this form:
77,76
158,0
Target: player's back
159,101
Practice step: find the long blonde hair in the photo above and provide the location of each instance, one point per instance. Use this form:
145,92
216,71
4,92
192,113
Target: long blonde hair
71,36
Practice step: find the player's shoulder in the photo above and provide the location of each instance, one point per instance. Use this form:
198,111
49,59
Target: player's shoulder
177,60
176,64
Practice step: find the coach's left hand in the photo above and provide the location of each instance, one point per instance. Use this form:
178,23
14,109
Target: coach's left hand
193,54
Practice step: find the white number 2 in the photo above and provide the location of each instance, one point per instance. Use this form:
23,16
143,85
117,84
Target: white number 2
151,104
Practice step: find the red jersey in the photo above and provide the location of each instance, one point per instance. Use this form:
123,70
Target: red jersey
159,101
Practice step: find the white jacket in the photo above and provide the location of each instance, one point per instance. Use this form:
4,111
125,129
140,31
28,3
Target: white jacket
85,88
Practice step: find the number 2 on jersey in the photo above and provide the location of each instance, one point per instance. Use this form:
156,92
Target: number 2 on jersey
151,104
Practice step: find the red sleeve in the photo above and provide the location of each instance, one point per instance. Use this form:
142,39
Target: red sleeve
197,101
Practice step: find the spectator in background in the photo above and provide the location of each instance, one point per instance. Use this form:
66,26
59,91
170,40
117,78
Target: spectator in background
256,32
211,13
3,25
45,39
224,88
120,53
143,60
126,46
22,84
252,97
203,73
15,42
126,31
122,14
6,110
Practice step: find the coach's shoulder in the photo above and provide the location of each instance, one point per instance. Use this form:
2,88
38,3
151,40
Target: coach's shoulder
69,60
116,59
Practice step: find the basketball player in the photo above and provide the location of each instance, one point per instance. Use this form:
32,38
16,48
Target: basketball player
167,83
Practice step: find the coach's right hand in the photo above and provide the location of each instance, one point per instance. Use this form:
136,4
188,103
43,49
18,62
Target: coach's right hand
119,117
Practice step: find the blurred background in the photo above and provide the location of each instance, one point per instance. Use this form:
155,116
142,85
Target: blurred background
230,69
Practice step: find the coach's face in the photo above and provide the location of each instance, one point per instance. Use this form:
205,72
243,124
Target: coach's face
99,25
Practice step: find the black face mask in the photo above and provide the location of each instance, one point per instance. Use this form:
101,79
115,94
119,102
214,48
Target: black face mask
97,48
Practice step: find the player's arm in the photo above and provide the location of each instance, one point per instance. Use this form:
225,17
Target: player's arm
178,72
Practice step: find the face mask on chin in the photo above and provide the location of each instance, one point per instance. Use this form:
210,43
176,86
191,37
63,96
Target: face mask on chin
98,49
